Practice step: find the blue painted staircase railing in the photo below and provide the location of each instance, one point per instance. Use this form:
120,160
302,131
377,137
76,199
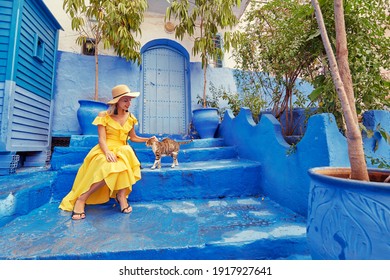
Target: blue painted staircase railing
209,207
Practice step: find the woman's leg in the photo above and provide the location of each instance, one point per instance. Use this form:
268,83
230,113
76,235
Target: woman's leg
123,203
79,206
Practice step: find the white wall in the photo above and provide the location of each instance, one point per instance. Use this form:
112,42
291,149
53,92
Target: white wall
152,28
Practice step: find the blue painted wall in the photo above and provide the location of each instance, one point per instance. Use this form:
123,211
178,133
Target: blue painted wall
284,168
75,79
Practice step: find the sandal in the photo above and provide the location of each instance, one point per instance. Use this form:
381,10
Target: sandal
80,214
126,208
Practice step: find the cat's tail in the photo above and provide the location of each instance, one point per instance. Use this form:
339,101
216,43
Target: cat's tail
185,142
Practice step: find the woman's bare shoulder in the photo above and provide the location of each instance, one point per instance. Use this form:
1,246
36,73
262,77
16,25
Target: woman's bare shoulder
102,114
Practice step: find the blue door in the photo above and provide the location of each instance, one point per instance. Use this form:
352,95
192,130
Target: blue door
164,98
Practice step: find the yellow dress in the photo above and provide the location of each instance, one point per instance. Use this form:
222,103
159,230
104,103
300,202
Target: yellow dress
117,175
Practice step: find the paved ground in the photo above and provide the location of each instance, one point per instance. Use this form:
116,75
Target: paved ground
252,228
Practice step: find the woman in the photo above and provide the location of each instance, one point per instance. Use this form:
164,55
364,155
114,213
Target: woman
111,167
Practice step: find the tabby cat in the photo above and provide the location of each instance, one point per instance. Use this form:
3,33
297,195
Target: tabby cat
167,147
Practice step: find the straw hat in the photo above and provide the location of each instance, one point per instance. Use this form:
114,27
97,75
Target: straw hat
120,91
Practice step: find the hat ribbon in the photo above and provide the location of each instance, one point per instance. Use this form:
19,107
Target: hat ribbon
121,94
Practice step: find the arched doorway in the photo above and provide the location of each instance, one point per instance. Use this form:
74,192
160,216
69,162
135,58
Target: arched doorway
165,99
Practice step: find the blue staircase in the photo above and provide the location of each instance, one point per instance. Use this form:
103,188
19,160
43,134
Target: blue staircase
211,206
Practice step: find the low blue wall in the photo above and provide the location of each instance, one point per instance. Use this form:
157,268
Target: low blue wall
284,173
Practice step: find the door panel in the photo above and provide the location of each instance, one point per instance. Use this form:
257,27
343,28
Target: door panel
164,92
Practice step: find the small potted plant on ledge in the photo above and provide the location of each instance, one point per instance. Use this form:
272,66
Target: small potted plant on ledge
111,25
349,209
202,20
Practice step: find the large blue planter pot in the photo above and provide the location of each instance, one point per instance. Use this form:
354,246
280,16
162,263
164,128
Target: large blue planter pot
205,121
87,112
348,219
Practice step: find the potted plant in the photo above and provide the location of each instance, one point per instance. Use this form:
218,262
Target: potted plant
202,19
349,210
111,25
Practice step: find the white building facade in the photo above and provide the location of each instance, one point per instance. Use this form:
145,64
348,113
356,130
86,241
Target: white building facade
170,78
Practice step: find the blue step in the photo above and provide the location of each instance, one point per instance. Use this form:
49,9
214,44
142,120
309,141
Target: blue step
230,229
89,141
22,193
195,180
63,156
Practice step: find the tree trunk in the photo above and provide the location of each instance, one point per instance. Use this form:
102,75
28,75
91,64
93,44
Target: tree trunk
204,64
204,85
354,137
96,97
342,54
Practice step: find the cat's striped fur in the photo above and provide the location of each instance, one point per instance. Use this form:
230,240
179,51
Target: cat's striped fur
166,147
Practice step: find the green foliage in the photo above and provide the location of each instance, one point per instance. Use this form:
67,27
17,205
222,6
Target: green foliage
379,133
213,101
292,149
281,41
235,101
212,15
115,23
202,20
385,135
366,23
279,44
379,162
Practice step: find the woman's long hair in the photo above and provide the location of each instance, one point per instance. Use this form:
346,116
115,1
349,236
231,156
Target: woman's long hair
112,109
